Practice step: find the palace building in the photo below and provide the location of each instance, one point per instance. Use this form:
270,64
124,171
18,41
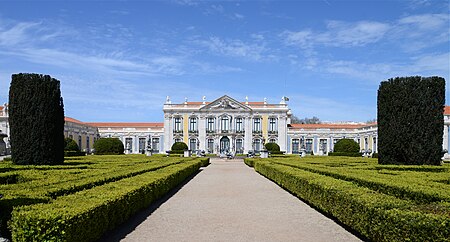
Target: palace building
221,126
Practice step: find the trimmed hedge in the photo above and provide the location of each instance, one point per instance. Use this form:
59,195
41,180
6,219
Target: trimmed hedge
346,146
74,153
411,120
108,146
178,148
272,147
36,118
96,210
377,216
345,154
70,145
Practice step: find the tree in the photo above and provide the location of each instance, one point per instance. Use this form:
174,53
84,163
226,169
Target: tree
410,120
313,120
346,146
178,147
36,116
70,145
108,146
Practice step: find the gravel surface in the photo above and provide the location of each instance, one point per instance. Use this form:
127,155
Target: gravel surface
228,201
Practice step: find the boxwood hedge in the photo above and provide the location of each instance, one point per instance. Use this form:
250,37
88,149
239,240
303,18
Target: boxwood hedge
86,215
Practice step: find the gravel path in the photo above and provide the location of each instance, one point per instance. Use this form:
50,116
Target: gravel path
228,201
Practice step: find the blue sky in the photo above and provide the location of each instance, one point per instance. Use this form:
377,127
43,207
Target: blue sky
118,60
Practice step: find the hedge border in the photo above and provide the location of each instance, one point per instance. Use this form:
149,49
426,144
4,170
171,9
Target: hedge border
57,221
378,220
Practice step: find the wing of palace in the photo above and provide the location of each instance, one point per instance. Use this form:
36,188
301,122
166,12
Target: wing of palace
219,126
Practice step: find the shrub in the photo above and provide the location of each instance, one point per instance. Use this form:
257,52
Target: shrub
352,154
410,120
36,117
375,155
108,146
96,210
178,148
346,146
70,145
74,153
272,147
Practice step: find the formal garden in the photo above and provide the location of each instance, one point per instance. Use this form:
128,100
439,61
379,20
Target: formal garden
380,202
86,196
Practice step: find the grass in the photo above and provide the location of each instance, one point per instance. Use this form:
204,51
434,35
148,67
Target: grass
381,202
34,185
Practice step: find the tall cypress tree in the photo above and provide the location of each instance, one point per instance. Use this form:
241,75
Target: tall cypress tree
411,120
36,116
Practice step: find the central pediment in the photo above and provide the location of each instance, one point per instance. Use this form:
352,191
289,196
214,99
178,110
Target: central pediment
226,103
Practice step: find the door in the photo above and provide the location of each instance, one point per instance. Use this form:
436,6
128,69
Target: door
224,145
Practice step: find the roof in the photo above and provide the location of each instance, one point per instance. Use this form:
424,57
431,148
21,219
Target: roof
327,126
446,110
131,125
69,119
1,108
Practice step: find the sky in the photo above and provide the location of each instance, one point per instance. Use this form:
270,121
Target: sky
118,60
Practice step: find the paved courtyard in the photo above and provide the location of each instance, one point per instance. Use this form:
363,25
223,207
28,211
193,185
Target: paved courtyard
228,201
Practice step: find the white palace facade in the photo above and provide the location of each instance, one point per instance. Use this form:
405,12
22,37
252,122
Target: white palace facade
223,125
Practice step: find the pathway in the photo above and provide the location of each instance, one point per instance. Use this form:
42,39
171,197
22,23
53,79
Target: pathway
228,201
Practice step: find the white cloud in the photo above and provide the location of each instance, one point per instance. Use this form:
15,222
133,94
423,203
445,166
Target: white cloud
411,33
16,34
234,48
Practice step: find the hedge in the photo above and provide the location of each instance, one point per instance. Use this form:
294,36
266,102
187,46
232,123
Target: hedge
422,192
36,118
178,148
96,210
411,120
70,145
377,216
349,154
346,146
272,147
108,146
74,153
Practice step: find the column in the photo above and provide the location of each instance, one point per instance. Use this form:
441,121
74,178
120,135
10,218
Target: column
168,132
282,133
202,132
445,138
247,134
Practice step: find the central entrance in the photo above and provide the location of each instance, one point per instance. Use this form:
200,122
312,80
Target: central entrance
224,145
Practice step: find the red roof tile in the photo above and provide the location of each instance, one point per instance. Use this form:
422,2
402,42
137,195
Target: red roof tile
446,110
69,119
327,126
134,125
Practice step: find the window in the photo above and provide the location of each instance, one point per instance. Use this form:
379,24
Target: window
142,145
210,125
272,124
79,142
366,143
193,124
177,140
257,124
128,143
177,124
193,144
225,124
272,140
155,144
374,144
323,145
239,125
210,146
308,147
239,146
87,143
257,145
295,146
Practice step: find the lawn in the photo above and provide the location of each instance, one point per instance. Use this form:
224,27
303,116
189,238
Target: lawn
85,197
381,202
